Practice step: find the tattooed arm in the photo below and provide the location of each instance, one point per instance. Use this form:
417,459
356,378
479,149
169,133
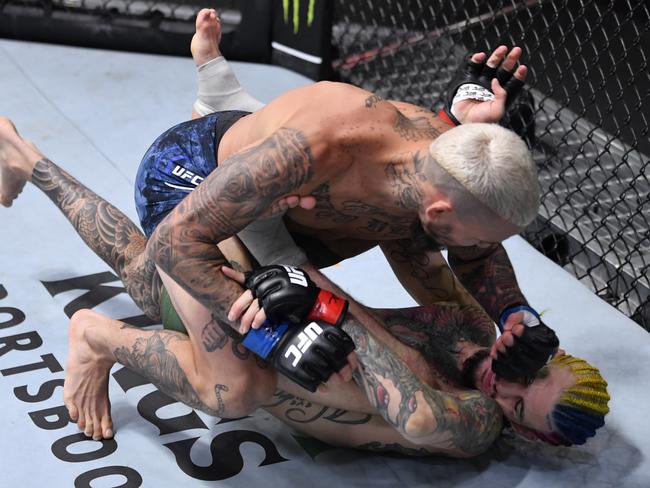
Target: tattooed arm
488,275
238,191
424,274
473,276
460,425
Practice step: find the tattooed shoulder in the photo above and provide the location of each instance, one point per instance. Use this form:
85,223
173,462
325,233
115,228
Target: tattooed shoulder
372,101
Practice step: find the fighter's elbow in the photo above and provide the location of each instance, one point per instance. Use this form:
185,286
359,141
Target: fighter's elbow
468,433
419,426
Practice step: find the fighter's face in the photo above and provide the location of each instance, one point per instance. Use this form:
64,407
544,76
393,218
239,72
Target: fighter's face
529,405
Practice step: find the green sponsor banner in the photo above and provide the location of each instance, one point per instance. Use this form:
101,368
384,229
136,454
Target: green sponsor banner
295,19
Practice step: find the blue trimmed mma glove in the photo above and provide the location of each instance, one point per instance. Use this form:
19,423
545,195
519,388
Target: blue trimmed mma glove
475,82
531,351
288,293
307,353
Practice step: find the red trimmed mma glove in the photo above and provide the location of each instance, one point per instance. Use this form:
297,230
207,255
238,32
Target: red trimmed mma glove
307,353
475,82
531,351
288,293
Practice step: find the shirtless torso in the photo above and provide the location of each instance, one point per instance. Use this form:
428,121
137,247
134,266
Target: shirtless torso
364,152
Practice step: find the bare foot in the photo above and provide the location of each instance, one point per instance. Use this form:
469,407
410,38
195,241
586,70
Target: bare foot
205,43
85,391
17,160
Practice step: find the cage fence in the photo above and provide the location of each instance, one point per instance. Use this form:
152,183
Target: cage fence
582,114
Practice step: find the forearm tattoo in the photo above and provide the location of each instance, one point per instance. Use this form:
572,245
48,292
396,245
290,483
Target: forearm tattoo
301,411
107,231
466,423
152,358
236,193
488,276
429,278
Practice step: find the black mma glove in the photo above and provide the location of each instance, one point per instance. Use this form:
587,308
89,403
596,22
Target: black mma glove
530,352
475,82
308,353
287,293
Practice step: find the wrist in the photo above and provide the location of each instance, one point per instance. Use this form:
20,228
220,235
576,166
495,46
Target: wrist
448,118
329,308
530,317
264,340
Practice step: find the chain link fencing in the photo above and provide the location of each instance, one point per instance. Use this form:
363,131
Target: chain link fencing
582,112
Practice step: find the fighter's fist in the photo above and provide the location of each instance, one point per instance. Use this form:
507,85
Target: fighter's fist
286,292
307,353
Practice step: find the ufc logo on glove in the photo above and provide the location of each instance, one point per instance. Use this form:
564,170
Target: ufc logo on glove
296,276
305,339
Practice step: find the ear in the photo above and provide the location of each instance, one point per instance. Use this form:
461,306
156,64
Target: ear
438,209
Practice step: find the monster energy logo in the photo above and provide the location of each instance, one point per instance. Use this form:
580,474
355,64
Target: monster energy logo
296,13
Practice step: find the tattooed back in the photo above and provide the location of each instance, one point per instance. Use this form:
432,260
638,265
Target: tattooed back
367,157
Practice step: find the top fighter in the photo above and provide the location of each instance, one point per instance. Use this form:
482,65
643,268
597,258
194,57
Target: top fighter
387,173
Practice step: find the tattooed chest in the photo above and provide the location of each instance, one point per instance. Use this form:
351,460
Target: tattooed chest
357,218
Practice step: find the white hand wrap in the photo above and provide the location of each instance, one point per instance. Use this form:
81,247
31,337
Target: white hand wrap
471,91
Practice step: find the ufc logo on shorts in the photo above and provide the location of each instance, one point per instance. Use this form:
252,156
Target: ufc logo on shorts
305,340
187,175
296,276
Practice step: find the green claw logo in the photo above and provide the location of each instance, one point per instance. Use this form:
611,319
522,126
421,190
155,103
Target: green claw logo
296,13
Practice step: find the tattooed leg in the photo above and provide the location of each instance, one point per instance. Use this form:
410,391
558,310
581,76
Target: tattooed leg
165,358
106,230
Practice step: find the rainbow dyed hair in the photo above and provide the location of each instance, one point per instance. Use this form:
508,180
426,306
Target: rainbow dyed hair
581,408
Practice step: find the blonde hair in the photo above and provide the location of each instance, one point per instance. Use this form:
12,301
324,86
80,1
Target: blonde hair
582,407
494,165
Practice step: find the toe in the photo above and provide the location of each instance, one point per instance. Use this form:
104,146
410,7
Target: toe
73,412
81,422
107,427
89,430
98,430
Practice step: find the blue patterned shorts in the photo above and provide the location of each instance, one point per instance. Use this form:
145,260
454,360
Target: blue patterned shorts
176,163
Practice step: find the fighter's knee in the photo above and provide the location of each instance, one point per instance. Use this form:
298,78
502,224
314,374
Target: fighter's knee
84,317
241,395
